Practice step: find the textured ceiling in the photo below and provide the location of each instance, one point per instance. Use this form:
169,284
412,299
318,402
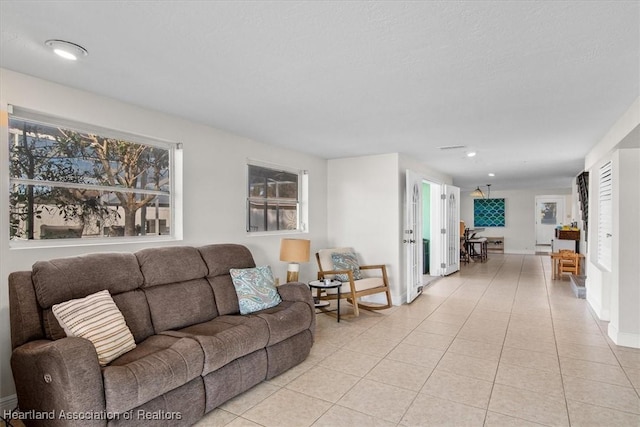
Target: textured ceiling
531,86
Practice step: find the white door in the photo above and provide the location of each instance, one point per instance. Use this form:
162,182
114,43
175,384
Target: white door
549,214
412,235
450,229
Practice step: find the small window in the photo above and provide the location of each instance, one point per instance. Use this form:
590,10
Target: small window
68,180
273,199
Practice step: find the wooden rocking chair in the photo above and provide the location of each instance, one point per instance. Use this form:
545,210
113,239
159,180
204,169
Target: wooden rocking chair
354,284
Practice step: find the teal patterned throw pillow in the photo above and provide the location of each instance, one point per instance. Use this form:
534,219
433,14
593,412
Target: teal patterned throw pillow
256,288
346,261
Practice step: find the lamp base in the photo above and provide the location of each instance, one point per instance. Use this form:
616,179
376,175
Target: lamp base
292,276
292,272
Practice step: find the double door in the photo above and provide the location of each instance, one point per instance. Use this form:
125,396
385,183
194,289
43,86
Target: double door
445,232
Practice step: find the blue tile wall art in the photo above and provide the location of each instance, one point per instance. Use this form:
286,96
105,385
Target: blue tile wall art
488,213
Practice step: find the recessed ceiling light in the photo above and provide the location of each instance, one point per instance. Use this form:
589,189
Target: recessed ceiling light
66,50
471,154
492,174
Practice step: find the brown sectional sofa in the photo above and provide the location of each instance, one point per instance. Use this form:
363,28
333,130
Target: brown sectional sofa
194,350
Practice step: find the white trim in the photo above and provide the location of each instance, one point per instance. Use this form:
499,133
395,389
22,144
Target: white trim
8,403
623,338
82,127
88,241
174,150
605,219
105,188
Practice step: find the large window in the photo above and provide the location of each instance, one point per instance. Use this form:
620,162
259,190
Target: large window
273,199
68,180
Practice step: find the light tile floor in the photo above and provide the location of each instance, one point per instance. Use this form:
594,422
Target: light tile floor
497,344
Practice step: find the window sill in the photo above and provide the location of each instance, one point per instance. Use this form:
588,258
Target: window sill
70,243
276,233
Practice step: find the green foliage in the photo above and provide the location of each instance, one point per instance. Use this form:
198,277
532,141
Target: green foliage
54,155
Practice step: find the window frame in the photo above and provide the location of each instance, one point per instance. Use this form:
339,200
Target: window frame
174,167
301,202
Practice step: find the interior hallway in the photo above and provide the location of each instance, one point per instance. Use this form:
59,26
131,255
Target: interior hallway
496,344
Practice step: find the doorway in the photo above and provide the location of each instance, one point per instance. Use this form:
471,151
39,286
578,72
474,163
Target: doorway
430,209
549,214
430,252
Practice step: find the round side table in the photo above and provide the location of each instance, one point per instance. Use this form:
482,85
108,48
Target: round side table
319,286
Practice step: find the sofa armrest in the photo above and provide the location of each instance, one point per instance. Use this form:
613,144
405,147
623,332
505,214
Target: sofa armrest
62,375
298,291
295,291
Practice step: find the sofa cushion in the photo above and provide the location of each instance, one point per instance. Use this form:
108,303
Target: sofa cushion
133,306
226,338
220,259
62,279
96,318
135,309
157,365
223,257
161,266
180,304
255,287
286,320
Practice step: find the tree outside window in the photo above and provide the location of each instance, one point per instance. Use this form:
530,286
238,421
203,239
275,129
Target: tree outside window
67,183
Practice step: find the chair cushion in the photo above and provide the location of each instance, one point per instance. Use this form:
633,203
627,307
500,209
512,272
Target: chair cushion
256,288
346,261
96,318
156,366
366,283
326,262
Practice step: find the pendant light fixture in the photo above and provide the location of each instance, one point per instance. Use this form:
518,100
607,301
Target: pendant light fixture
479,193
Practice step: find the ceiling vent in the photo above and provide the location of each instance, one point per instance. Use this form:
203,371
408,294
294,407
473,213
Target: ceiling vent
452,147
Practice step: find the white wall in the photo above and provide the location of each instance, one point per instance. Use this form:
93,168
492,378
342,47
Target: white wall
362,211
615,294
519,231
366,210
214,185
624,328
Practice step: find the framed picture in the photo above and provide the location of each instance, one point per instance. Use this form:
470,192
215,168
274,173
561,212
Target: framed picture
488,213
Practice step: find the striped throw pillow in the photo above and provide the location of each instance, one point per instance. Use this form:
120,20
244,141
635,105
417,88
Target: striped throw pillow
96,318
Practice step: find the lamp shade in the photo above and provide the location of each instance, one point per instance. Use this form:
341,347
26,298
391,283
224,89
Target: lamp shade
477,193
294,250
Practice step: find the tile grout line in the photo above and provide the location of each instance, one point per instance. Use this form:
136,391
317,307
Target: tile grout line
495,376
555,339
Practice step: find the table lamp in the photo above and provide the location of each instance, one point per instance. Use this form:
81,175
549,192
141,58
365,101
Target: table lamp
294,251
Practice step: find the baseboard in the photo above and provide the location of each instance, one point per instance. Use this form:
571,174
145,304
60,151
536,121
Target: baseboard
519,252
597,307
623,339
8,403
